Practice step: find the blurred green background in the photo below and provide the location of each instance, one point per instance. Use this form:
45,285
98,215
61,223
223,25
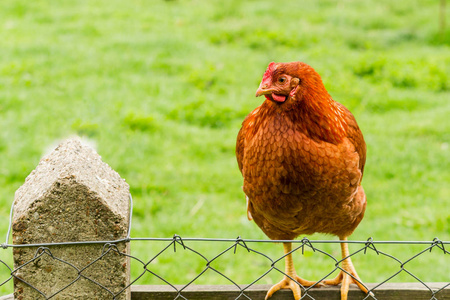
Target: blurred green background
161,88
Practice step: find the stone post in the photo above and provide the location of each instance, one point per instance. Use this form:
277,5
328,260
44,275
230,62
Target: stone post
71,196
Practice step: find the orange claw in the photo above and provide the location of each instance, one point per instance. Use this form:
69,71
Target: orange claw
288,283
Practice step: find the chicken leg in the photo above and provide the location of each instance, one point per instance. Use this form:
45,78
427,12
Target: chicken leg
288,283
343,277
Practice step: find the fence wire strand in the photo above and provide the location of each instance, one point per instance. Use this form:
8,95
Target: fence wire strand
177,243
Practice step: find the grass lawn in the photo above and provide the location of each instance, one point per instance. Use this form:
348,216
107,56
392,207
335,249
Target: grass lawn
161,88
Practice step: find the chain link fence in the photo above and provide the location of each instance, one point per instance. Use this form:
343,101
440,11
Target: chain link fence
177,243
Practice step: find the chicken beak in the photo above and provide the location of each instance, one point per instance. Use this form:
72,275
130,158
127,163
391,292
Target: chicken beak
263,90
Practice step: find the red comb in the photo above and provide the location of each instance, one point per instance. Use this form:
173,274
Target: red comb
268,74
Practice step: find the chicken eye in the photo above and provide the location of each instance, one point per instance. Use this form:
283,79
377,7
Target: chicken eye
282,79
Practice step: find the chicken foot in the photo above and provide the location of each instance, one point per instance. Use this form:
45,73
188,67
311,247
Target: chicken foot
343,277
288,283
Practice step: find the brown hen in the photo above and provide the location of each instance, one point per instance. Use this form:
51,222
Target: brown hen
302,157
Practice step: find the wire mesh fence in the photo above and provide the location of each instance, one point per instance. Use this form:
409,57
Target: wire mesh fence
177,243
210,262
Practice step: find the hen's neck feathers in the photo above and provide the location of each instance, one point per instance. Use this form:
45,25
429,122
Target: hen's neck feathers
321,116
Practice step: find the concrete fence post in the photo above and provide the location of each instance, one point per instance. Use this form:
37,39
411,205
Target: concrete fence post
71,196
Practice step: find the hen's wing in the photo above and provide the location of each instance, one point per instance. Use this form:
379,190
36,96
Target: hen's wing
240,142
354,134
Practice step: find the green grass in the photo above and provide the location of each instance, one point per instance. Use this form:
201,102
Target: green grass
161,87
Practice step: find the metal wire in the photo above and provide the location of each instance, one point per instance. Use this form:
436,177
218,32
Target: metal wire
186,244
177,243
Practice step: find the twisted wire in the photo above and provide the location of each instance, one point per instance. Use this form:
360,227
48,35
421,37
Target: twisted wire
177,243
